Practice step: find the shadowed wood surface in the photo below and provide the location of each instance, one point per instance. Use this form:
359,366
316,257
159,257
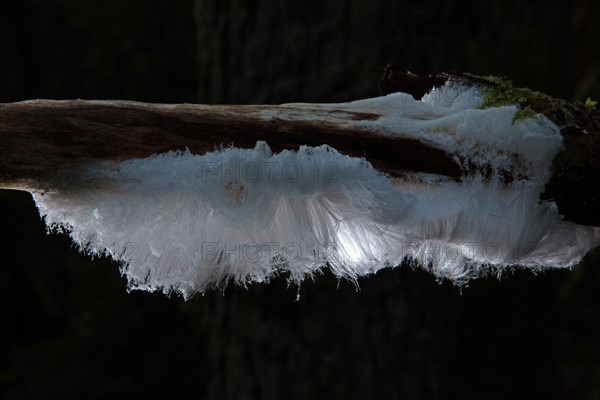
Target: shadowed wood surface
43,137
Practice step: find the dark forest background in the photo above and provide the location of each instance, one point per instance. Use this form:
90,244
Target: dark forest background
68,327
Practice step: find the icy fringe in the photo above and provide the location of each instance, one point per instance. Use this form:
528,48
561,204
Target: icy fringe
183,222
179,222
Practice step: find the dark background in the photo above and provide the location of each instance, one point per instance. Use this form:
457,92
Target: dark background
69,329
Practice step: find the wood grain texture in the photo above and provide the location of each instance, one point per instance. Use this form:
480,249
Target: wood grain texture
42,138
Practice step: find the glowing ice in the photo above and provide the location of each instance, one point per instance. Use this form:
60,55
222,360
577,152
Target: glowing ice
183,222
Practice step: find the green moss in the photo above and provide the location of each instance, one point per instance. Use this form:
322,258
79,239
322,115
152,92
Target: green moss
501,92
525,113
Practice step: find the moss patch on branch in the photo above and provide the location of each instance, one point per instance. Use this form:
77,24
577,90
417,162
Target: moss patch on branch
501,92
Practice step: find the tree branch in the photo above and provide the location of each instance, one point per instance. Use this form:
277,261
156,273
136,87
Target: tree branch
42,139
